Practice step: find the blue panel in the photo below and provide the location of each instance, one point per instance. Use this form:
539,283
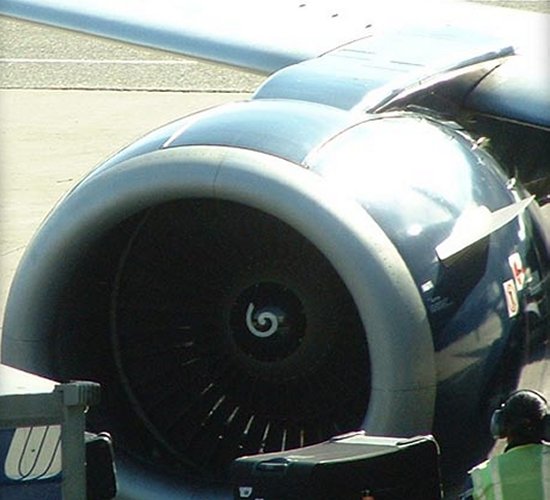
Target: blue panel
417,193
14,489
284,128
34,490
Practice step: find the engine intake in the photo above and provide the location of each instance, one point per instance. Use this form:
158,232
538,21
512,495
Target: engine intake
232,334
231,301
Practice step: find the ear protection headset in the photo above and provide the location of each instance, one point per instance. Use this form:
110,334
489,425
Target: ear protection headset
501,419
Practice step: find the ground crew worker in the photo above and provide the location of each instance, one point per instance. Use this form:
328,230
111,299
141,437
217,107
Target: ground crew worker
523,470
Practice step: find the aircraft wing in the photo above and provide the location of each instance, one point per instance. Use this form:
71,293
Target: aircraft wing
266,36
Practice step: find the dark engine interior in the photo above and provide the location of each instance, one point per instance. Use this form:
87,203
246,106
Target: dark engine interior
216,330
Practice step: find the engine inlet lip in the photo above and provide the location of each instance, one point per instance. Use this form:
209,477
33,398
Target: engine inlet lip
368,263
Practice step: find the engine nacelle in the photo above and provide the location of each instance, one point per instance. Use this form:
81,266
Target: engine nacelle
263,276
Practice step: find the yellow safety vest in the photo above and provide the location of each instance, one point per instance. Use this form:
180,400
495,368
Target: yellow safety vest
522,473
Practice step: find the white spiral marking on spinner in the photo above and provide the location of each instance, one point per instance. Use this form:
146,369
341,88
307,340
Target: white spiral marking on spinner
263,319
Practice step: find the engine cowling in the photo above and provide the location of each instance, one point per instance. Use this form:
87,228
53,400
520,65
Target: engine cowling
234,293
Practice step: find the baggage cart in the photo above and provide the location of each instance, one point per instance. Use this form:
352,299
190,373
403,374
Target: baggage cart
349,467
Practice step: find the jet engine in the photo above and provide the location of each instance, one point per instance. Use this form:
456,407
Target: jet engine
264,275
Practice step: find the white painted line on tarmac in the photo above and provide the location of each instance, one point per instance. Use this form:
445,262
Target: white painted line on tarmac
94,61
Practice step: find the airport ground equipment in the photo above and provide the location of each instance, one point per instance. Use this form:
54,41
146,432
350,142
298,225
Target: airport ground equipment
353,466
42,446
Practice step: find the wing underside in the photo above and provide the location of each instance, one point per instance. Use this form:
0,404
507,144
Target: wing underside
266,36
